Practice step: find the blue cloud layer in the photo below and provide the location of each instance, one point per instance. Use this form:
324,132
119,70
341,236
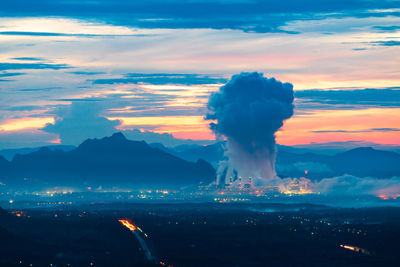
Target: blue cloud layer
366,97
249,16
163,78
34,66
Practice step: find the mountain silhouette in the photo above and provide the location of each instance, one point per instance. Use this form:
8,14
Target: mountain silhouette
117,161
108,161
9,154
292,162
4,164
366,161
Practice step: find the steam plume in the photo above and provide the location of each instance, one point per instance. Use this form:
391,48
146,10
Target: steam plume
248,110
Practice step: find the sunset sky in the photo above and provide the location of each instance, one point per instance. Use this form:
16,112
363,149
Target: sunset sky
70,70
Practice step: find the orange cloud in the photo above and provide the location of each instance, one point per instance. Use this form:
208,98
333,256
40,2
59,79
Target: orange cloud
159,121
25,123
301,129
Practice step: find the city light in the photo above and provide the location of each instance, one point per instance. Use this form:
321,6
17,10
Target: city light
355,249
128,224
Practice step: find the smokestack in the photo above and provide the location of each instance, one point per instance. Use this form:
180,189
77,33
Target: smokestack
248,110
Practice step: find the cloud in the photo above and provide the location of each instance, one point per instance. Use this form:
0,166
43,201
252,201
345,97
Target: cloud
86,72
39,89
34,66
11,74
363,97
25,138
163,78
58,34
82,120
248,16
28,58
79,99
342,186
79,121
386,129
24,108
315,167
351,185
248,110
163,138
386,43
387,28
360,131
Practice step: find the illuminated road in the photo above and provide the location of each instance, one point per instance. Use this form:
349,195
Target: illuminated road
355,249
142,243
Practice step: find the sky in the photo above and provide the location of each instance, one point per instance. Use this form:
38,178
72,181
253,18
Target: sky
71,70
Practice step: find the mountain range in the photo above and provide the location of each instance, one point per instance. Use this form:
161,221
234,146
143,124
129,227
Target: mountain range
293,162
117,161
108,161
9,154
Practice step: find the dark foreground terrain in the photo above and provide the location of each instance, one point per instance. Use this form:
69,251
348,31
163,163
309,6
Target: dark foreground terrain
201,235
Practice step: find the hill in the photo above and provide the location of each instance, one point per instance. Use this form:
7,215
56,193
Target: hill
10,153
292,162
108,161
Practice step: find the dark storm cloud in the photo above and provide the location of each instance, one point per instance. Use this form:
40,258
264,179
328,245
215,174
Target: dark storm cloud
163,78
328,99
249,16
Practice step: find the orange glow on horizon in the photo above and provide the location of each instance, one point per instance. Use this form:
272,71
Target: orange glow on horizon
387,197
314,127
25,123
160,120
56,141
184,127
304,128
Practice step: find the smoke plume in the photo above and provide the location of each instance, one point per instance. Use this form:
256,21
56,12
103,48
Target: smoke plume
248,110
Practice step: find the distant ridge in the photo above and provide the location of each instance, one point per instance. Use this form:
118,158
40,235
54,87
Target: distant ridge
10,153
361,162
117,161
3,214
111,160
